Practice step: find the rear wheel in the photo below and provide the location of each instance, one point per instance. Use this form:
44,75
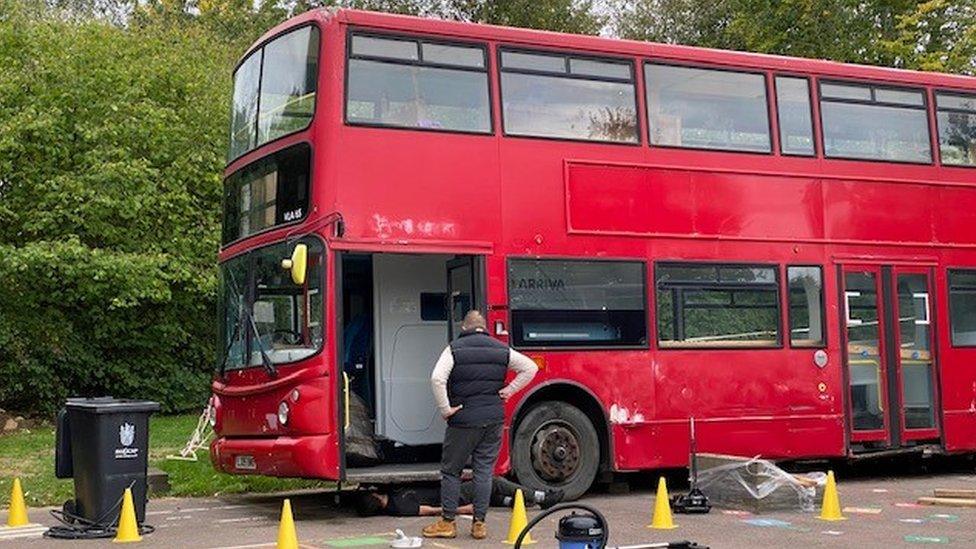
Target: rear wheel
556,447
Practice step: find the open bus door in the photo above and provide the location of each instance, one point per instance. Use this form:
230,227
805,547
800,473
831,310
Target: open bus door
395,312
890,356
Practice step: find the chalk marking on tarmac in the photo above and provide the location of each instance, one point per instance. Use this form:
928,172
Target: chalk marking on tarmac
194,509
154,513
442,545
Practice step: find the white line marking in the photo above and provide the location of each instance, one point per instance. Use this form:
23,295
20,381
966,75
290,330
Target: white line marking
22,529
34,534
245,546
194,509
154,513
243,519
227,507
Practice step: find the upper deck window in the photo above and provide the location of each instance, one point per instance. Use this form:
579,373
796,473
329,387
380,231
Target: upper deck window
567,97
795,123
269,192
409,83
274,90
707,108
957,128
874,123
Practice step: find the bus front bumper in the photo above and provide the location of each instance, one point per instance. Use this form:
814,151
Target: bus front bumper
310,456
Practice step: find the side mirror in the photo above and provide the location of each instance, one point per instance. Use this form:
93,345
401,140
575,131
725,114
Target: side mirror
297,264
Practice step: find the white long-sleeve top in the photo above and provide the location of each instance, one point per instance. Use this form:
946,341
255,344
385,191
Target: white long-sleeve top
523,366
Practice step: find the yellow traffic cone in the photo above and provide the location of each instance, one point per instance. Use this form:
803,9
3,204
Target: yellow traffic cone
830,510
519,520
662,509
287,537
18,509
128,531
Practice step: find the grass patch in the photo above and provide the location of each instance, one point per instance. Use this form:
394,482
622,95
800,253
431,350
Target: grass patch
30,456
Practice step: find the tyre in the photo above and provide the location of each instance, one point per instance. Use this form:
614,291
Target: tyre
556,447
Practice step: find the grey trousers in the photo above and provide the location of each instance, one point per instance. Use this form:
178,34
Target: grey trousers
481,444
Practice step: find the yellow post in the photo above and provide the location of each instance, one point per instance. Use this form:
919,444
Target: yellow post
519,520
662,509
128,531
287,537
830,510
18,508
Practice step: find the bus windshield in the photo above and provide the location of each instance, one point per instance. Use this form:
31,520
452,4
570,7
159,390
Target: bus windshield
267,319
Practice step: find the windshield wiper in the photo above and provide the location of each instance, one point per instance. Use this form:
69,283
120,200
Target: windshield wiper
265,359
249,318
230,344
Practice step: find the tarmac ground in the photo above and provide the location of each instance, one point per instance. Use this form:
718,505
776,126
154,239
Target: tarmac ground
878,501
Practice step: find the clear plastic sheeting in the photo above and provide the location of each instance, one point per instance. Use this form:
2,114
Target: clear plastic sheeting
757,485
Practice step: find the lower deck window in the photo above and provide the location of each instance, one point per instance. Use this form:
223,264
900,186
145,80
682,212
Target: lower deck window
806,306
717,305
962,307
557,303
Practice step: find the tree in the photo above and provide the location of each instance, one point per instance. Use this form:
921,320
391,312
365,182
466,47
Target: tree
688,22
112,141
575,16
931,35
937,35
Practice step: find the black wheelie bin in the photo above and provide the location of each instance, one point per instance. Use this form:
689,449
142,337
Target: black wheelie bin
103,443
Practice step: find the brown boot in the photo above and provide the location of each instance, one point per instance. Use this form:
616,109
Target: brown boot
479,530
441,529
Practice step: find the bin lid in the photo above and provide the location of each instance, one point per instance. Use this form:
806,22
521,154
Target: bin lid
110,405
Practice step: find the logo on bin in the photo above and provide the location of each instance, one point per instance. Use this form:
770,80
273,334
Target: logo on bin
127,435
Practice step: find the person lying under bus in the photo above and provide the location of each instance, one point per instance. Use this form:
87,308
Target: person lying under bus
425,501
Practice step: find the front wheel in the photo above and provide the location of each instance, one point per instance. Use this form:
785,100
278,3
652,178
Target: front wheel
556,447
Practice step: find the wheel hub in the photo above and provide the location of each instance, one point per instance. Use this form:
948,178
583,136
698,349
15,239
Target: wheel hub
555,452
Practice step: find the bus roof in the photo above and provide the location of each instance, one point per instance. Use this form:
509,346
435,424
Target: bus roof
615,46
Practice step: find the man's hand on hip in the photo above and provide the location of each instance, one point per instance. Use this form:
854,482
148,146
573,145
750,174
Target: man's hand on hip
450,411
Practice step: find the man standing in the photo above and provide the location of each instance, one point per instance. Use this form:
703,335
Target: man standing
470,391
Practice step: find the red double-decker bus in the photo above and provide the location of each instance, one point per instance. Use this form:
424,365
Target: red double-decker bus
782,249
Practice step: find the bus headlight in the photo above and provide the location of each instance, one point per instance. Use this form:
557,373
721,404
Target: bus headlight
283,413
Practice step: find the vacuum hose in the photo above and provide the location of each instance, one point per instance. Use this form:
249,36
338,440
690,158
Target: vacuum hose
601,544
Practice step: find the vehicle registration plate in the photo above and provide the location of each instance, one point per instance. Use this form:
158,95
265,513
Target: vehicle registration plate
245,462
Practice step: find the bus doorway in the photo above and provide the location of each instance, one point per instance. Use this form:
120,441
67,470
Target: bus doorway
398,313
891,363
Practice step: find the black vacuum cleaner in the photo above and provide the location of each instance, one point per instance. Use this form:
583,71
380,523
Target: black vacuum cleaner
589,530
